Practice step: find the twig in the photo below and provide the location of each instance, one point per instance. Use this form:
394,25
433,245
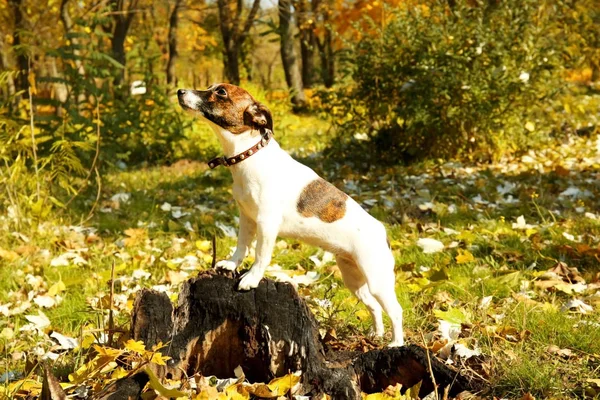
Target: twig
99,182
111,322
33,145
214,251
435,390
94,161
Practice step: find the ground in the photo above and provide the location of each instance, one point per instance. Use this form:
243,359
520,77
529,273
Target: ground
497,265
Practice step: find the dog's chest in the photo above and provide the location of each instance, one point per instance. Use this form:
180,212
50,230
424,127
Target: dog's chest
247,194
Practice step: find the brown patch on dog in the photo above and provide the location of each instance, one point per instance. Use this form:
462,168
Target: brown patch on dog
322,200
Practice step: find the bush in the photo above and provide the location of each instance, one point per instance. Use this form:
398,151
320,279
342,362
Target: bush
467,81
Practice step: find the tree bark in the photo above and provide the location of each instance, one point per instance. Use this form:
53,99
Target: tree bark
21,58
122,18
288,54
325,45
234,32
4,65
307,42
67,21
269,331
173,51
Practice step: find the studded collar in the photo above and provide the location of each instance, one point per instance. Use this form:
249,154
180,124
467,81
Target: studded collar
238,158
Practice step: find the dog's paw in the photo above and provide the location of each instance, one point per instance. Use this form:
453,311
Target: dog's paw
376,333
397,343
226,265
249,281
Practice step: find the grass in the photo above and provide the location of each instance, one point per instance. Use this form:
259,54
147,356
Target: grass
514,332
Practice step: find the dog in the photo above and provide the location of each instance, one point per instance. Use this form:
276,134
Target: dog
278,196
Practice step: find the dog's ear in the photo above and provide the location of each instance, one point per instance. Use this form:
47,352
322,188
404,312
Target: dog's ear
258,116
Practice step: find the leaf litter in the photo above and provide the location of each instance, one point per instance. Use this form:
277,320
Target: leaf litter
479,232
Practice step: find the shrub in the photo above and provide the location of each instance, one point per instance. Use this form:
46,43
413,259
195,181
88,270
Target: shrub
467,80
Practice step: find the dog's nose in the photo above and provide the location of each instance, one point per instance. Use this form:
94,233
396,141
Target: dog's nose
180,92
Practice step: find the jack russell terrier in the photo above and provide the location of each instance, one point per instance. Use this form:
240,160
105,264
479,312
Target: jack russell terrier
278,196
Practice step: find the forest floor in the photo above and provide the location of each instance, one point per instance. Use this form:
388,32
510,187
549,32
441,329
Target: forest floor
497,265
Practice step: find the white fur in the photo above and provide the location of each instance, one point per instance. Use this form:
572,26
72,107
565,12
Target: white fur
266,188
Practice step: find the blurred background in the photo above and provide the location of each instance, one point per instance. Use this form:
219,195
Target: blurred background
87,85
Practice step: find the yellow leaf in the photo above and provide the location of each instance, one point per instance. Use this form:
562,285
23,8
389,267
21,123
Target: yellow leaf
119,373
7,334
236,392
135,346
363,315
277,387
464,257
57,288
107,351
163,391
203,245
530,126
31,80
284,384
379,396
159,359
8,255
91,369
87,341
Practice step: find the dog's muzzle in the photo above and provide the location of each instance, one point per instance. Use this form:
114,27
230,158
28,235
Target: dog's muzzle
188,100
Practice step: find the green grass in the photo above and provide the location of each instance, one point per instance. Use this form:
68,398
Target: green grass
505,261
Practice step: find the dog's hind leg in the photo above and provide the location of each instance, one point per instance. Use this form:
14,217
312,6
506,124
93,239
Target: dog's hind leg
355,281
377,265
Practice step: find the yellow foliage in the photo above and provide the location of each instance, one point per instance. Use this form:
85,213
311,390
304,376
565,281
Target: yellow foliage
162,390
135,346
464,257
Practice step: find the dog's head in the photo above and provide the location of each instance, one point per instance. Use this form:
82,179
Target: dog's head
227,106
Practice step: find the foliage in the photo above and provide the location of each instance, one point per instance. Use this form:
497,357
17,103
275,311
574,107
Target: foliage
441,81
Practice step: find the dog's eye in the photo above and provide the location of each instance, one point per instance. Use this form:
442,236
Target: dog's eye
221,92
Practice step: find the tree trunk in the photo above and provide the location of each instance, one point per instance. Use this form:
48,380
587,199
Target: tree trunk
288,54
67,21
307,43
4,66
22,63
234,32
173,53
231,64
326,45
122,17
269,331
118,51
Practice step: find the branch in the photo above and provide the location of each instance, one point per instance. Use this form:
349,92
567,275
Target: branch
250,20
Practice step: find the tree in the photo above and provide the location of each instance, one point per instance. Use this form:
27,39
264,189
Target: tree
234,32
122,18
173,51
19,27
67,21
325,11
306,26
288,54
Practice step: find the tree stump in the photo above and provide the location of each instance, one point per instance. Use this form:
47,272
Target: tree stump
269,331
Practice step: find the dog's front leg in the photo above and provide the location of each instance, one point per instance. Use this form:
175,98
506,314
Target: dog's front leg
245,237
267,230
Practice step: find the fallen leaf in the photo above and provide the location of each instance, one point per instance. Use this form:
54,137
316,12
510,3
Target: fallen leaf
51,389
555,350
155,384
576,305
430,245
65,342
464,257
